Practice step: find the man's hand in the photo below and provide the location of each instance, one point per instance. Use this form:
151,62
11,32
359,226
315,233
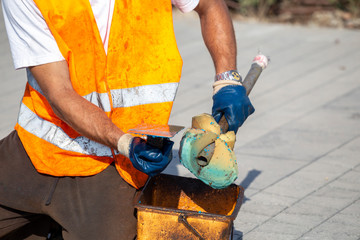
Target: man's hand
144,157
232,102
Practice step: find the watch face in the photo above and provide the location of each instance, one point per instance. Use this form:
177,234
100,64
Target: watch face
229,75
236,75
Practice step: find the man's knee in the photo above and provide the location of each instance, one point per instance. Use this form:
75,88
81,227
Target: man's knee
17,225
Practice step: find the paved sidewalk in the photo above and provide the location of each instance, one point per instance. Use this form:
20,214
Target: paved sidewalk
299,153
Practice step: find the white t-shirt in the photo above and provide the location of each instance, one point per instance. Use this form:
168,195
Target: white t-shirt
31,41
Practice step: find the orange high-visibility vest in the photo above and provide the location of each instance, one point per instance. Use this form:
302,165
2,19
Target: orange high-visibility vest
134,83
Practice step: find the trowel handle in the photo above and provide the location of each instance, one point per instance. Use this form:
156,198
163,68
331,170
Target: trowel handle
248,83
252,77
157,142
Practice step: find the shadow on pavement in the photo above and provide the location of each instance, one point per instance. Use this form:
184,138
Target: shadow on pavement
250,177
237,235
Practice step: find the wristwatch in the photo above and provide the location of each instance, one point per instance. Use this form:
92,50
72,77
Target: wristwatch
229,75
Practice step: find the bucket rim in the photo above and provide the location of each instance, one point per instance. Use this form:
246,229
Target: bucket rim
138,205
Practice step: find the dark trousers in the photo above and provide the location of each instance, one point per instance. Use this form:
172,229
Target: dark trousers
94,207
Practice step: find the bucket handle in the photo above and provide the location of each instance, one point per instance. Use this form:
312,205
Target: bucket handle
183,219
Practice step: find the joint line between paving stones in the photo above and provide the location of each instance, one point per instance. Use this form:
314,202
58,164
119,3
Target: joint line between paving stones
311,70
315,88
344,95
306,114
295,79
288,102
325,220
309,112
300,199
306,165
270,157
292,61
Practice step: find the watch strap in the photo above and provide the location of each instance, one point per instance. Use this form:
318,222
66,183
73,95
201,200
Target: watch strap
229,75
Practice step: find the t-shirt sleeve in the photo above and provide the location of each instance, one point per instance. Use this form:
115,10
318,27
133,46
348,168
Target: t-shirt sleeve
185,5
31,41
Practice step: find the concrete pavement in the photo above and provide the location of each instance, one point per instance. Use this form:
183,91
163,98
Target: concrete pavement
299,153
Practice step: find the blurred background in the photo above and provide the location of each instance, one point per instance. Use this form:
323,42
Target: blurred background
299,153
330,13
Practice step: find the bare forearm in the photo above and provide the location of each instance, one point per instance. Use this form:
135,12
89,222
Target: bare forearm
84,117
87,119
218,33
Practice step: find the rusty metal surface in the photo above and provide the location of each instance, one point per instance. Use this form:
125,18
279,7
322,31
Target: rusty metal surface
172,207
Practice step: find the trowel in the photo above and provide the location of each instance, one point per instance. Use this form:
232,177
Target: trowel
155,133
207,148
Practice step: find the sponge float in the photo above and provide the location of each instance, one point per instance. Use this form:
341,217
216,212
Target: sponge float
221,170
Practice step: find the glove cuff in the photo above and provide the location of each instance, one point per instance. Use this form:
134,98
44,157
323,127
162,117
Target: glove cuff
124,144
223,83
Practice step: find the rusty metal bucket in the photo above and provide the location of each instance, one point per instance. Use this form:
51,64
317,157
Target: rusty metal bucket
173,207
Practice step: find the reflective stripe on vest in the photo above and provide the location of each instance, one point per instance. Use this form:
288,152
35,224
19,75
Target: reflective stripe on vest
55,135
127,97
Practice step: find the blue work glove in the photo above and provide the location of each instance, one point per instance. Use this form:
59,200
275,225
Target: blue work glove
148,159
232,102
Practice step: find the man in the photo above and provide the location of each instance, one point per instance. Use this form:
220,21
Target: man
96,69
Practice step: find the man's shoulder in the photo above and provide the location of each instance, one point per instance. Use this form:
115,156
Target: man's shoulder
11,6
12,3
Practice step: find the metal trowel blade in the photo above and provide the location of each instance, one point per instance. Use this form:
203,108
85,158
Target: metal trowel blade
166,131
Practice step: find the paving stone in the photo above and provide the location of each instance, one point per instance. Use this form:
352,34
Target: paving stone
260,172
346,156
267,204
344,225
299,145
299,153
271,234
246,221
314,208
